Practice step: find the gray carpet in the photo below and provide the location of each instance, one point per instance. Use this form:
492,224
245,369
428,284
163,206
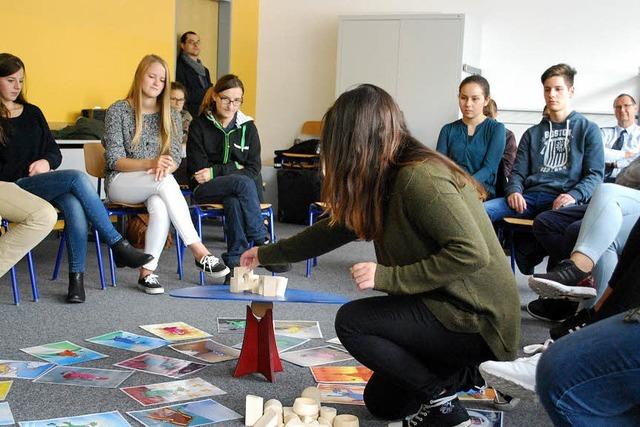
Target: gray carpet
125,307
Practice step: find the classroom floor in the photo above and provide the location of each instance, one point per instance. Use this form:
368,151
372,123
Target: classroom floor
126,308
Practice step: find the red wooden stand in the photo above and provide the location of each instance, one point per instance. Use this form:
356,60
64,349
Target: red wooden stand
259,352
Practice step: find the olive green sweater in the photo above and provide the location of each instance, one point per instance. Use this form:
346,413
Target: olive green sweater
439,244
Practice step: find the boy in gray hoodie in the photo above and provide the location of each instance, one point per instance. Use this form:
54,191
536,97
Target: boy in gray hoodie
559,161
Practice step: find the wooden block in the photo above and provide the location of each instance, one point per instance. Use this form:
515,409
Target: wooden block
313,393
324,422
308,420
346,420
241,271
287,410
291,416
236,285
281,286
305,406
276,406
328,413
269,286
253,409
268,419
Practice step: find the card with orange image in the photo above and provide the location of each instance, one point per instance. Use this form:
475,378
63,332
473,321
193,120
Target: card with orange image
341,374
175,331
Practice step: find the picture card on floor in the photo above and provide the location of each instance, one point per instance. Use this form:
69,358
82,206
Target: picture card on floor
85,377
111,419
5,386
474,395
483,418
175,331
231,325
207,350
341,374
161,365
185,414
316,356
128,341
63,353
298,328
6,417
172,391
23,369
343,394
283,343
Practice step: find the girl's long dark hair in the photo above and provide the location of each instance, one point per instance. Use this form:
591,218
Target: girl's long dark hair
364,143
9,64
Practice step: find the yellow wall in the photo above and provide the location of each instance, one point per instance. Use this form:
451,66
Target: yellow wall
83,53
244,48
200,16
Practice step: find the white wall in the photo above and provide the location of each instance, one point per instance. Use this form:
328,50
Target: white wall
298,39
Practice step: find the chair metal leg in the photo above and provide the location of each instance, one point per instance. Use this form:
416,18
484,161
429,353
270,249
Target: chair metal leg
14,286
199,225
512,246
32,277
312,217
112,268
56,268
179,254
103,282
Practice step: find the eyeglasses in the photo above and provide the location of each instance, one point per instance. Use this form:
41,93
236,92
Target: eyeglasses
193,42
177,99
226,101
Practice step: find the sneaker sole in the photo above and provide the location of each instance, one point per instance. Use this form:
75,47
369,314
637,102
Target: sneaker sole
216,274
506,386
151,291
546,319
550,289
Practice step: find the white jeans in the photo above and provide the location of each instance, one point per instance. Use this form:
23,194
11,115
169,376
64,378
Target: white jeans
165,204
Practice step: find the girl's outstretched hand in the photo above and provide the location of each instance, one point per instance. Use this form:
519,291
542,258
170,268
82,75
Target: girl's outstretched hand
250,258
364,274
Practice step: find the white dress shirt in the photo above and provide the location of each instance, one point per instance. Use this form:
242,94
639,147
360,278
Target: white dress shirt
631,143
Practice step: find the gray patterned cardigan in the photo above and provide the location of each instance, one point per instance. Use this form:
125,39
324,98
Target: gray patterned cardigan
120,126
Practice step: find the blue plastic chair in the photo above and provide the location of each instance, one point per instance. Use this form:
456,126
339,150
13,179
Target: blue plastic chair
316,210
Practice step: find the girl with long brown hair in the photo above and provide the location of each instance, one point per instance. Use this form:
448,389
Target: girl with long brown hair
143,148
451,304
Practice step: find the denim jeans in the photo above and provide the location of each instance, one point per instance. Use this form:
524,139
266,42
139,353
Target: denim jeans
537,201
592,377
243,221
413,356
72,192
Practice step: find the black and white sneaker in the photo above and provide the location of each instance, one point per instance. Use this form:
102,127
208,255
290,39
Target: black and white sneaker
445,411
564,281
150,285
573,324
552,310
213,266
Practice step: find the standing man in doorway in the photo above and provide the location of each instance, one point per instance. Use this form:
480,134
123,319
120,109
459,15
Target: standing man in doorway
191,72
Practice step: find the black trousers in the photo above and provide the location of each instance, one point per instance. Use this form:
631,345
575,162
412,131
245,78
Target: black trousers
557,231
413,356
625,280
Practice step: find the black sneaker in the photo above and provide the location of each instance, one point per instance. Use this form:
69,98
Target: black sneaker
552,310
212,266
573,324
445,411
564,281
150,285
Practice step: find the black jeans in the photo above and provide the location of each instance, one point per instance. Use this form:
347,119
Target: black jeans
413,356
557,231
625,280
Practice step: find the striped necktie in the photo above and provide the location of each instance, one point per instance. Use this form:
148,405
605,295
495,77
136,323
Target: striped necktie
620,141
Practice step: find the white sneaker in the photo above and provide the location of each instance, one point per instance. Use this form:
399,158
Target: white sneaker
516,378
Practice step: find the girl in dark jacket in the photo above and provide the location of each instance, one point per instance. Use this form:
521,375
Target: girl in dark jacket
223,157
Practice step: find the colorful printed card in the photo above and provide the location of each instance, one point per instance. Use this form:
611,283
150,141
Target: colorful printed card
475,395
207,350
23,369
344,394
483,418
175,331
231,325
63,353
6,417
128,341
298,328
161,365
5,386
173,391
185,414
283,343
341,374
316,356
85,377
111,419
